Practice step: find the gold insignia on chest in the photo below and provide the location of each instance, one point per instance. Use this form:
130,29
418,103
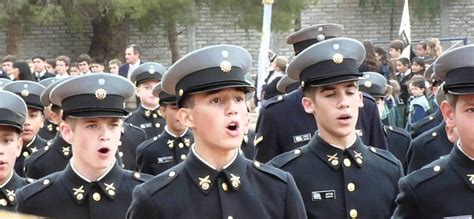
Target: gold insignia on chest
358,156
147,113
235,180
170,143
333,159
110,189
34,150
79,192
471,178
66,151
11,195
204,182
187,142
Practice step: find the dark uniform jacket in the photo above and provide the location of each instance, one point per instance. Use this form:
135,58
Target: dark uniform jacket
66,195
148,120
156,155
248,147
52,158
359,182
49,130
428,147
426,124
7,192
283,125
46,75
34,146
398,140
130,138
442,189
194,190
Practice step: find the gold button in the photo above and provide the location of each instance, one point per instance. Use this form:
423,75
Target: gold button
297,151
359,161
111,192
256,163
157,125
334,162
3,202
79,196
225,187
155,116
11,198
280,97
181,145
351,187
437,168
373,149
353,213
136,175
431,118
171,174
46,182
434,134
230,217
347,162
121,154
25,154
183,156
119,143
96,196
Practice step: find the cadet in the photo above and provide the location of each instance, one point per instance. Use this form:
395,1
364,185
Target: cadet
93,185
445,188
50,128
30,92
172,146
337,175
287,85
55,155
13,113
215,181
131,137
147,116
275,135
398,139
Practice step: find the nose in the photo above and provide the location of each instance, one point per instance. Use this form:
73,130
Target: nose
343,102
232,107
104,133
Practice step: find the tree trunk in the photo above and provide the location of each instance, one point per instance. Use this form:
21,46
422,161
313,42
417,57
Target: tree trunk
13,36
109,41
173,39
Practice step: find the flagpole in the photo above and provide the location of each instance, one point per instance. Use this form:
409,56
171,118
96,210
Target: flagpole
405,29
263,61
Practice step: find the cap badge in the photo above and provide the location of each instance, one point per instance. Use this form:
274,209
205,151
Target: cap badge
151,70
321,37
225,65
368,84
25,93
100,94
338,58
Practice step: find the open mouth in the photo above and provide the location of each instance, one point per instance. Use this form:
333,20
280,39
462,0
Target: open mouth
2,162
344,117
104,150
233,126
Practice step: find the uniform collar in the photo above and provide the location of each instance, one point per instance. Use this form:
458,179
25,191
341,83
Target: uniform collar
335,157
9,188
33,146
61,146
463,166
185,140
79,188
205,177
149,113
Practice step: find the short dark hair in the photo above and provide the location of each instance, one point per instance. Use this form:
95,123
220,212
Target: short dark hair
9,58
64,59
52,62
418,81
39,57
97,60
187,102
84,58
404,61
135,47
397,45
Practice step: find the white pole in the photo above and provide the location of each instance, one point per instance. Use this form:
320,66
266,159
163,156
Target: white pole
263,61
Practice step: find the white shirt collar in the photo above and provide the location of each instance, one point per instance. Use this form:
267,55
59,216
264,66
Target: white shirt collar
340,147
208,164
85,178
31,142
8,180
168,131
458,144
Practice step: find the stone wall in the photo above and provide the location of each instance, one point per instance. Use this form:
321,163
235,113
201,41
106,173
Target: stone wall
455,20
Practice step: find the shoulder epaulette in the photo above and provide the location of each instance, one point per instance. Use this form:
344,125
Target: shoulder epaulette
400,131
283,159
145,144
280,174
162,180
385,155
35,156
273,100
427,172
141,177
34,188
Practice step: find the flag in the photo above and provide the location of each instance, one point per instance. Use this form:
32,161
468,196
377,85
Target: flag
405,30
263,62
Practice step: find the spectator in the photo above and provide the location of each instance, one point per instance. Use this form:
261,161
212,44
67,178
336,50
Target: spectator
21,71
74,69
62,66
50,66
39,65
97,65
278,66
114,65
84,62
418,66
132,59
7,65
418,103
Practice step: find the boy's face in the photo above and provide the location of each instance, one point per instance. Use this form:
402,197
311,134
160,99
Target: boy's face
34,121
97,68
94,141
401,67
335,108
114,69
83,66
74,71
7,66
61,67
218,119
420,51
394,53
415,67
10,149
145,93
170,113
416,91
48,67
461,117
38,65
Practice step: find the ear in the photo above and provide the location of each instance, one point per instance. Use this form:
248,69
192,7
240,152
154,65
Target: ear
66,132
19,146
452,133
162,111
42,120
137,91
185,117
361,100
308,105
448,113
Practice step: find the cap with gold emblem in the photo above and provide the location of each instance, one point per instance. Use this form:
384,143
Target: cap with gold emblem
286,84
373,83
147,71
29,91
210,68
306,37
331,61
13,110
50,83
456,67
93,95
164,97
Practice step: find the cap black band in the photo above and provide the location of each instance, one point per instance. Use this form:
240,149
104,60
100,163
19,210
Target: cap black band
460,80
10,118
328,72
302,45
33,101
166,98
146,76
112,105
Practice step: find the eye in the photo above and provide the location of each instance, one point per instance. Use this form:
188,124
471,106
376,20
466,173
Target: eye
91,126
470,110
215,100
239,99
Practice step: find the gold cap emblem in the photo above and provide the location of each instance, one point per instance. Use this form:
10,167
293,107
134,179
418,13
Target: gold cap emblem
100,94
181,92
226,66
368,84
25,93
338,58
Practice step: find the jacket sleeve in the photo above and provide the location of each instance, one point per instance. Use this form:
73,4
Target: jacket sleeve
294,202
141,206
406,202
